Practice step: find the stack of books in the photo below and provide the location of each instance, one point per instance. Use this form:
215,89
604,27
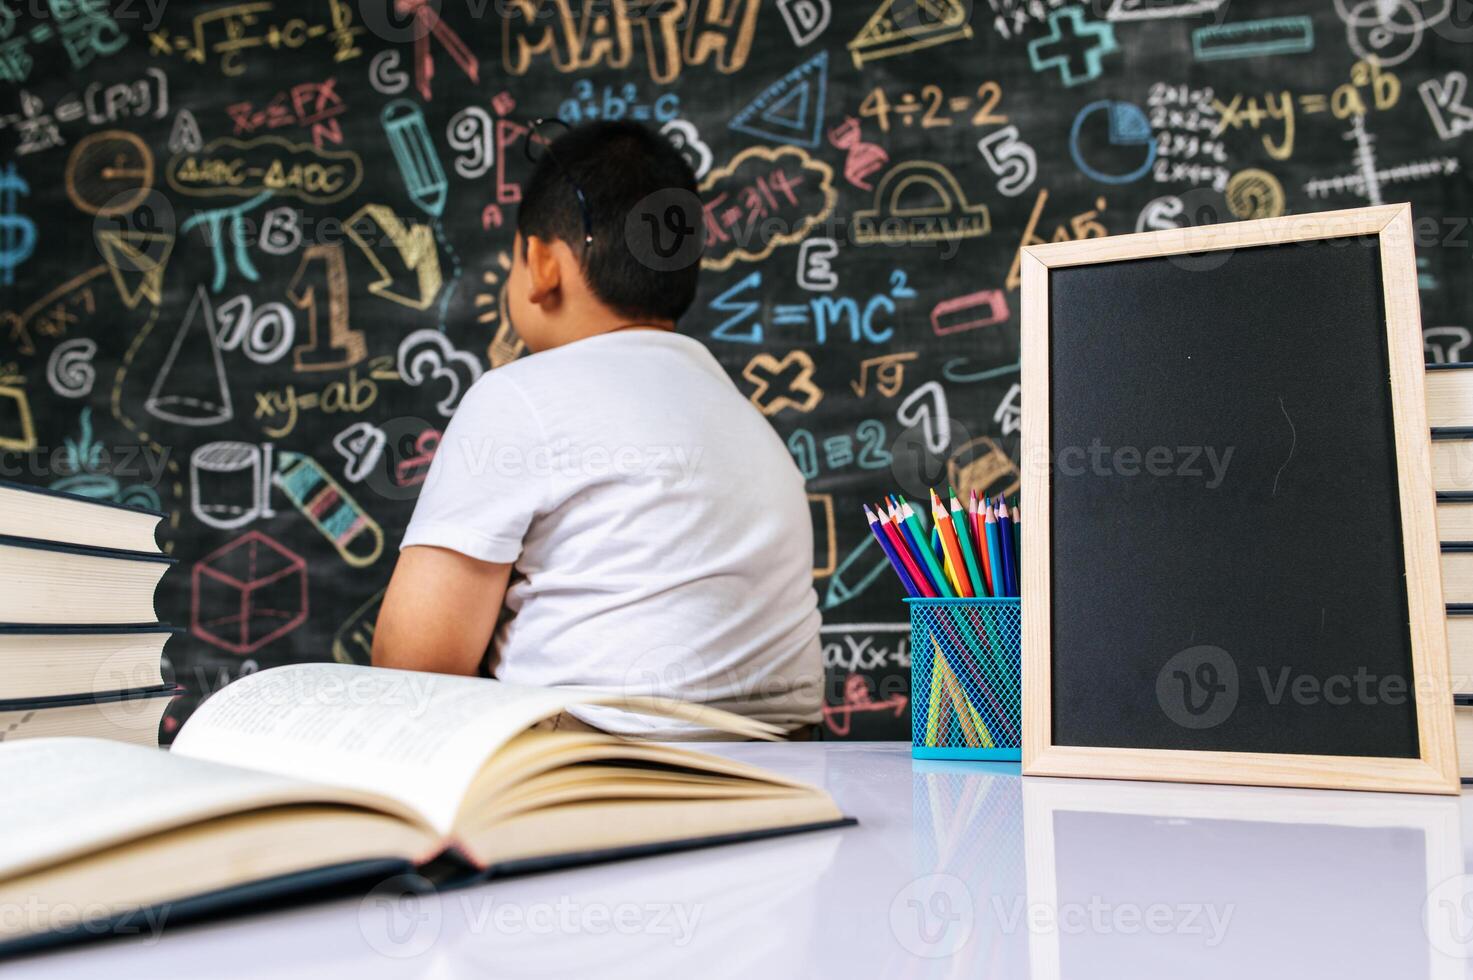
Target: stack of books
1450,413
80,643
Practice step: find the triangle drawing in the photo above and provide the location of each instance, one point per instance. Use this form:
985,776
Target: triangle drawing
136,260
790,110
900,26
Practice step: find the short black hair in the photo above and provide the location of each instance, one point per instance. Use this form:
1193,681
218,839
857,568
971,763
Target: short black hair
618,165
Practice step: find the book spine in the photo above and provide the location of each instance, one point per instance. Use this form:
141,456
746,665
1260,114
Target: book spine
101,697
117,554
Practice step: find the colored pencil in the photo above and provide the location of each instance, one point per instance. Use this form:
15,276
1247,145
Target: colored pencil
935,543
964,540
945,541
983,698
951,546
999,575
979,536
974,732
940,549
1006,546
902,551
888,547
912,548
919,548
922,546
956,576
973,549
1014,556
918,533
1005,540
933,707
957,615
1012,513
1018,545
931,541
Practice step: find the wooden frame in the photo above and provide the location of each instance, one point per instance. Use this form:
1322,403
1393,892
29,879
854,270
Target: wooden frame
1439,820
1436,769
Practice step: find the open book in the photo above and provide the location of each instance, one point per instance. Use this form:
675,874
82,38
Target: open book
303,775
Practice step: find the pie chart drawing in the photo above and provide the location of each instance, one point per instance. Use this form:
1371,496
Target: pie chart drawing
1111,142
109,173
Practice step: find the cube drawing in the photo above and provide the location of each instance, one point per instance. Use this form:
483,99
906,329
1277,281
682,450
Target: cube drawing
248,593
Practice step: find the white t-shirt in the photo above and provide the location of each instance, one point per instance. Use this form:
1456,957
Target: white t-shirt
659,528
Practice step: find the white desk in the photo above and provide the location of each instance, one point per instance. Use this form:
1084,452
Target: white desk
955,870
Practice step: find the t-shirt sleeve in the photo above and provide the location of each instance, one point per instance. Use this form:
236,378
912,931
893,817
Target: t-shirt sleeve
482,492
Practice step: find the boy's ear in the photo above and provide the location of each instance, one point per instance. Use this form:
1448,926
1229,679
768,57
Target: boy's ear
542,264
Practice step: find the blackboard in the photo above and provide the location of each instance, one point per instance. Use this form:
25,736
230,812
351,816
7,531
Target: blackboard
1236,367
1241,556
225,226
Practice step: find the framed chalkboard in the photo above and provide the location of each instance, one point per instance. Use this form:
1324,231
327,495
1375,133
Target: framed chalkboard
1231,561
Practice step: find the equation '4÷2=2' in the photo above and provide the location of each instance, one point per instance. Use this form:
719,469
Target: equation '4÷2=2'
931,108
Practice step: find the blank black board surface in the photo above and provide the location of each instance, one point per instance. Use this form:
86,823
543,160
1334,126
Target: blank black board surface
1226,448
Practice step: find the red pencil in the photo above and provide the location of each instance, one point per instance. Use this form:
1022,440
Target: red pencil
892,534
979,535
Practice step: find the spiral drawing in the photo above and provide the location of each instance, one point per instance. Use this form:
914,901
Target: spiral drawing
69,371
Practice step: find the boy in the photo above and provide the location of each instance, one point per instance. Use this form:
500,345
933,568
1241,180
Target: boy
610,511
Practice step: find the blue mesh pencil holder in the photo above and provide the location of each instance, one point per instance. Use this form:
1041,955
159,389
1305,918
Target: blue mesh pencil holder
966,685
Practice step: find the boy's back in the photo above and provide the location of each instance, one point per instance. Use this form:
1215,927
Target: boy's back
610,511
657,525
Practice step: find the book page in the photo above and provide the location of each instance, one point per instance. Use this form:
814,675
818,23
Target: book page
418,738
73,796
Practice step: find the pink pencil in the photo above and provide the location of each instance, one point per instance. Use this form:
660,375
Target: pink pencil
979,535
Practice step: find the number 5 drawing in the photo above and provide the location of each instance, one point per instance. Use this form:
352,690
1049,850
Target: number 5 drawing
1014,162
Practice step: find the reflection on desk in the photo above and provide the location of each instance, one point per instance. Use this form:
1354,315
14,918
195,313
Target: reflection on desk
955,870
1220,880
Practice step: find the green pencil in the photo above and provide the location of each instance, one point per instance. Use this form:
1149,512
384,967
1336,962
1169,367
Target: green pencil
969,554
908,514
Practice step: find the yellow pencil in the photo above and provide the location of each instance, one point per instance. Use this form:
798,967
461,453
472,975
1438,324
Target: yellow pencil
939,548
963,710
974,729
933,713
